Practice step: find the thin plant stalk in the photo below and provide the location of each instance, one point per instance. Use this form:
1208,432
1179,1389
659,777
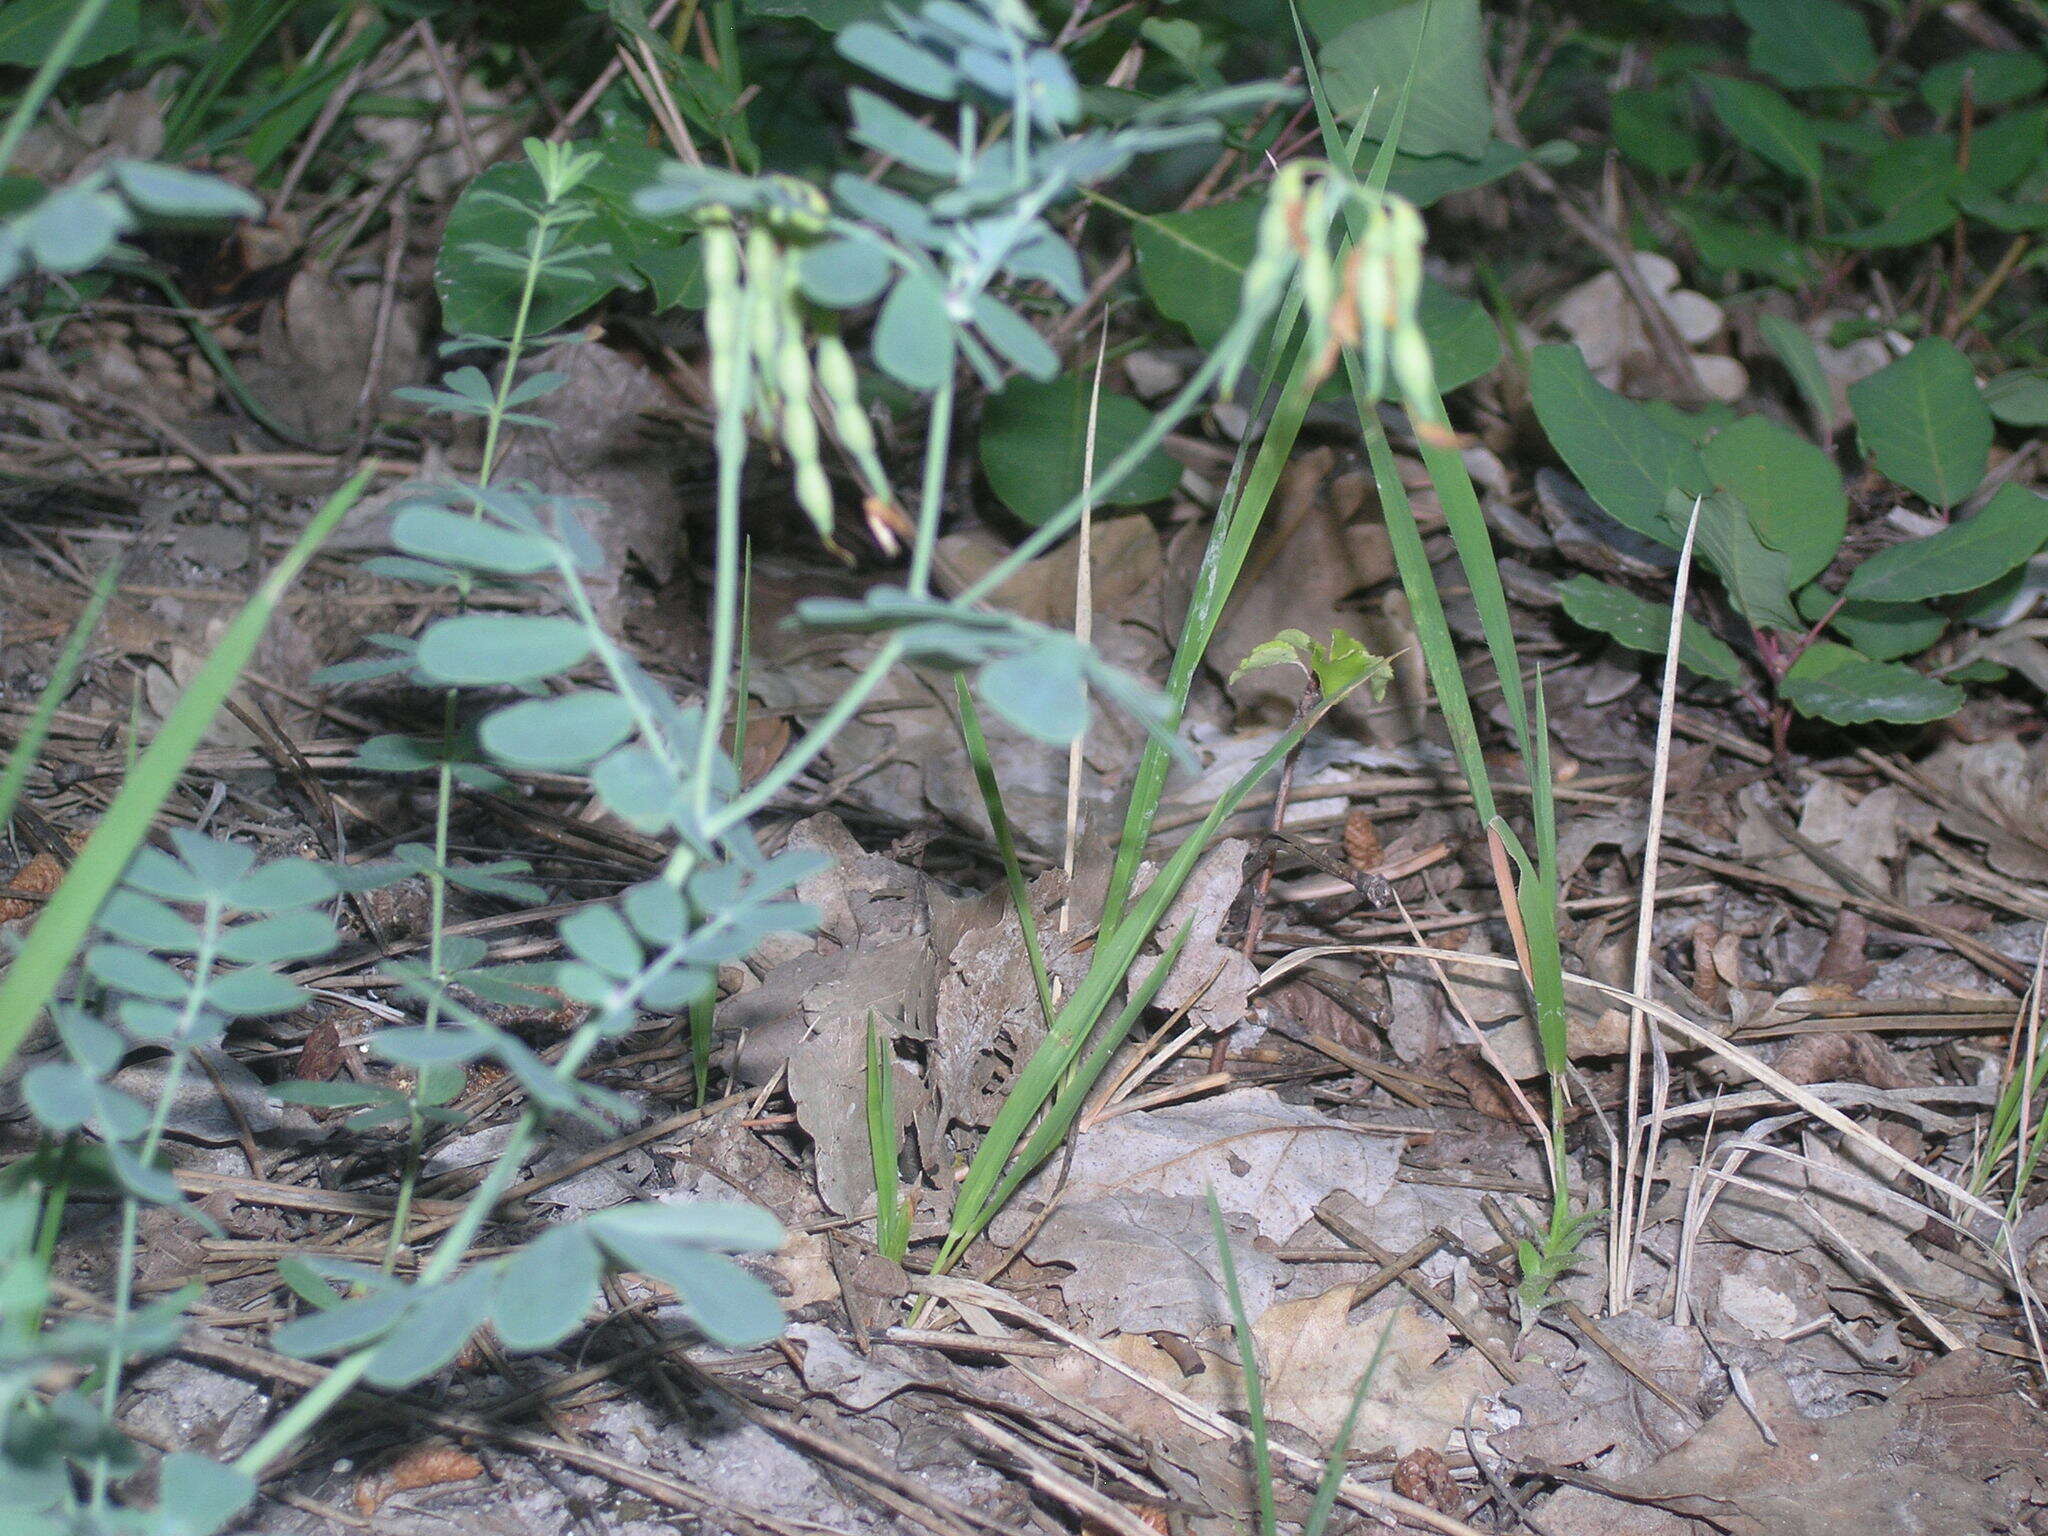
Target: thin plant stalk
1629,1212
84,17
28,746
66,919
1006,842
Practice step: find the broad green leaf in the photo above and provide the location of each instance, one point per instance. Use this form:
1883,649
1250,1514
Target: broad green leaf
1918,219
2004,150
1756,576
1646,128
1423,179
1881,631
1792,489
1034,439
1464,343
1644,626
1996,78
826,15
1627,463
1808,44
564,732
1766,124
2019,398
1832,682
478,649
1971,552
913,339
1728,246
1192,264
1370,50
1923,421
29,28
1795,349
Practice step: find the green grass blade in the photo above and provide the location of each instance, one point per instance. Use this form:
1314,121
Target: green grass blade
1254,1384
1006,842
65,921
1115,953
1240,514
1333,1469
28,746
1066,1106
892,1213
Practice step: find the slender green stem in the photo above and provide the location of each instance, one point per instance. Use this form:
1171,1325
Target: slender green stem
28,745
932,493
48,73
732,459
819,737
124,1259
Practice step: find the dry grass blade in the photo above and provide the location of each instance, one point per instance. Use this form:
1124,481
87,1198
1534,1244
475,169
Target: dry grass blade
1628,1207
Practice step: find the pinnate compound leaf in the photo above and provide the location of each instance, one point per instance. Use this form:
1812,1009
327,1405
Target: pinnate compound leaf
565,732
843,273
170,192
1832,682
1034,443
197,1496
438,1322
721,1224
898,60
480,649
546,1289
1792,490
1924,423
1645,626
914,335
1625,460
347,1325
59,1095
1041,689
434,533
298,934
729,1306
1970,553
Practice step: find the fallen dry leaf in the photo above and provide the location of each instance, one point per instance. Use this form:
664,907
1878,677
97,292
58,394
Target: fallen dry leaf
426,1466
1313,1351
40,876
